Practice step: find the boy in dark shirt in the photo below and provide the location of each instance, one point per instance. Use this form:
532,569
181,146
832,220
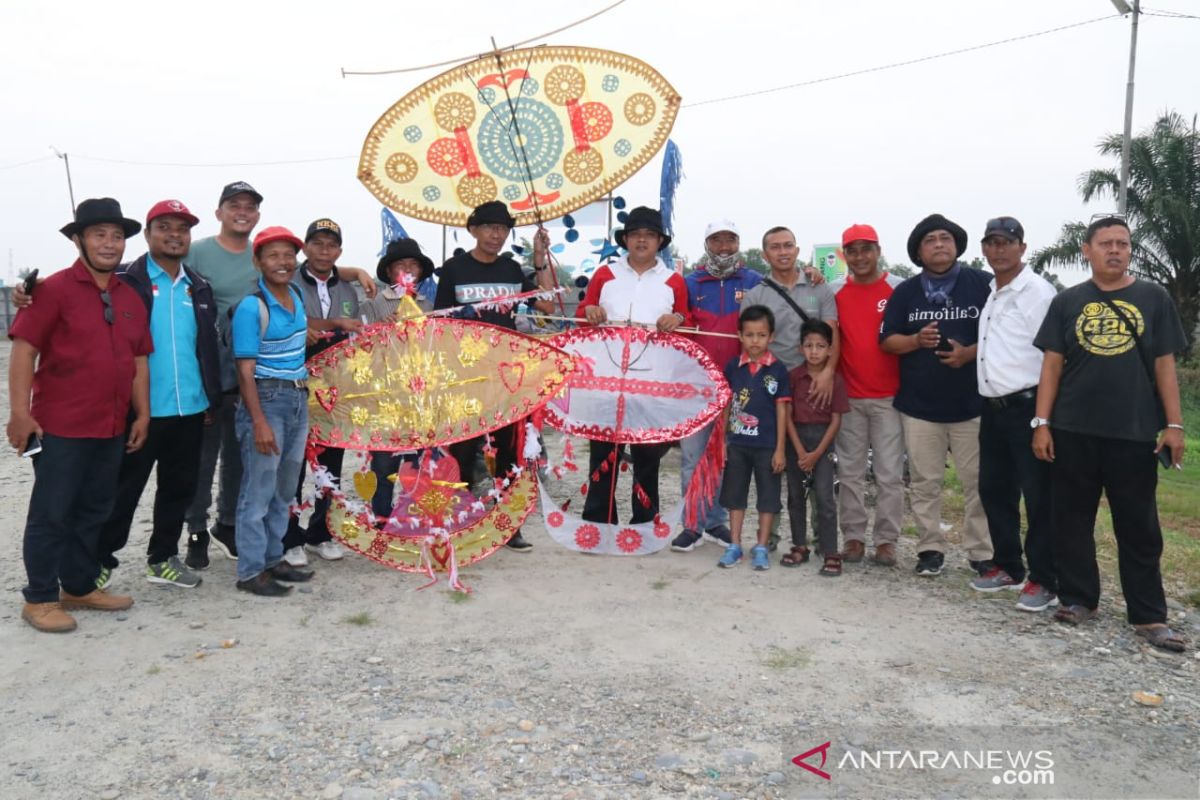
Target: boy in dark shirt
756,423
812,431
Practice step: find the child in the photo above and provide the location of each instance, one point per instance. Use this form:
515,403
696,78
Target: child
756,424
269,328
812,431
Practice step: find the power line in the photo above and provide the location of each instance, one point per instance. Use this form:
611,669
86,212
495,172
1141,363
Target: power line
896,64
25,163
131,162
474,56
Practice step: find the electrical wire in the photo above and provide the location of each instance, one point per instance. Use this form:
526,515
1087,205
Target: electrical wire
475,56
134,163
25,163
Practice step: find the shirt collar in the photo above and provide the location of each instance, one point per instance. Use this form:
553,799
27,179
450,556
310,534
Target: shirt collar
623,261
308,276
153,271
766,360
1020,282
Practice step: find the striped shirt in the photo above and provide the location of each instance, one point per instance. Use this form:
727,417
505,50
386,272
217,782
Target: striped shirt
279,351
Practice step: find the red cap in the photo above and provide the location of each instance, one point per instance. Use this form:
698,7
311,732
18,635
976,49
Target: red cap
171,208
859,233
276,233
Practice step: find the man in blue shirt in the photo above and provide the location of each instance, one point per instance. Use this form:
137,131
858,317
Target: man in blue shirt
269,329
932,323
184,385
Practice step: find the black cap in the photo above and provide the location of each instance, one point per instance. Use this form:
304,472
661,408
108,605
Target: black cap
99,211
1008,227
935,222
324,225
239,187
400,249
491,213
643,218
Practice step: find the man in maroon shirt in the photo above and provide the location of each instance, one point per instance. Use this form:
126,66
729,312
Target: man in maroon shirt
89,336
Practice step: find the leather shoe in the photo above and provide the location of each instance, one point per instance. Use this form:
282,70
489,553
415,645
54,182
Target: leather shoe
854,551
97,600
48,617
284,571
264,585
885,555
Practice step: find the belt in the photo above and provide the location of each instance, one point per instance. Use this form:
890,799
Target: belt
282,383
1008,400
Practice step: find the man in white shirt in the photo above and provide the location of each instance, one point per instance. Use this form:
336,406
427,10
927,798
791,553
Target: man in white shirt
1008,369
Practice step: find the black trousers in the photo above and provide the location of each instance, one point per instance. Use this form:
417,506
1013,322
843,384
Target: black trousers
1008,471
74,484
825,520
173,443
601,502
504,440
1126,472
318,524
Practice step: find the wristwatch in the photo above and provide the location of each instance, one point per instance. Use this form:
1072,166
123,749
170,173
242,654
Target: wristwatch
1038,422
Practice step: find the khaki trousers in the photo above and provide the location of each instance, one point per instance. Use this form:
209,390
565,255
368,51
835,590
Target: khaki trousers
872,424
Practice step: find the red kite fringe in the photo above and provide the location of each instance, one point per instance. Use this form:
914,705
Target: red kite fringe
706,478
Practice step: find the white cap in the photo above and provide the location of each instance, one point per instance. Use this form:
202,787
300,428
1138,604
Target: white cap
721,225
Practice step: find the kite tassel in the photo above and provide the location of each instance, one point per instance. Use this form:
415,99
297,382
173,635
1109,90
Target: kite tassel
702,489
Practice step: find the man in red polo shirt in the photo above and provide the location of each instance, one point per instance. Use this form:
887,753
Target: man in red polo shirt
873,425
89,336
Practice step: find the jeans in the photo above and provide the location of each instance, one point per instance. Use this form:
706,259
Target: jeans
821,490
219,437
1127,473
268,480
927,444
74,487
1008,470
871,425
173,443
691,449
604,463
317,531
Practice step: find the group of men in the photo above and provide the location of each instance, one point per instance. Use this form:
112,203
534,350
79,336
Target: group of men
1050,398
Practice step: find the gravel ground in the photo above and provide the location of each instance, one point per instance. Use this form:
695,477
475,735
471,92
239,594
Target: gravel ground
566,676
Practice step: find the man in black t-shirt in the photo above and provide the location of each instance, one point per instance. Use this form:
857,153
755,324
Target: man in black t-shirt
1108,386
483,273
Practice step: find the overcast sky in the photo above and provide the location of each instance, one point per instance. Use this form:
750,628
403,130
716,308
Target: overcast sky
1006,130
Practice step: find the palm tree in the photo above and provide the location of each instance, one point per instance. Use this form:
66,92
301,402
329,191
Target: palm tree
1163,211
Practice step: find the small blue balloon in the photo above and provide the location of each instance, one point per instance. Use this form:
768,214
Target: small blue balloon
572,235
618,202
622,217
596,242
557,248
581,281
568,220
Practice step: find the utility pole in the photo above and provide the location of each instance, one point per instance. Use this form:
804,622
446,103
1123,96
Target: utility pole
67,162
1127,139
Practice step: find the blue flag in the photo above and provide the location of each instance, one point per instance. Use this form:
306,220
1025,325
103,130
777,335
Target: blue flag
392,229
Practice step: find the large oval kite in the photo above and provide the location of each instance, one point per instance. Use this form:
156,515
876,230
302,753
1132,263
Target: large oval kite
632,385
428,381
547,130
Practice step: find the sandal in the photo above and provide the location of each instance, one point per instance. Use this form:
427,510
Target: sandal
832,567
797,556
1073,615
1162,637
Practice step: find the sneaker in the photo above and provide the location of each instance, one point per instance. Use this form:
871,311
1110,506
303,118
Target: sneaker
98,600
284,571
264,585
104,578
773,540
328,550
995,580
1035,597
518,543
223,537
731,556
48,617
930,563
296,556
686,542
760,557
172,572
720,535
197,552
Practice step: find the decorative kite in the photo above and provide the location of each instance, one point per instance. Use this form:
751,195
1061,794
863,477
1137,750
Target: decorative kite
545,129
633,386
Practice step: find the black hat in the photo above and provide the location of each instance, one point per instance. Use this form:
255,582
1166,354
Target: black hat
239,187
491,213
324,225
643,219
935,222
403,248
98,211
1008,227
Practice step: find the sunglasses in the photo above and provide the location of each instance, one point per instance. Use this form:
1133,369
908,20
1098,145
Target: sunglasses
106,298
1108,215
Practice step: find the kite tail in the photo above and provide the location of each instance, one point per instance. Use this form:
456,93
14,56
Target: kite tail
672,174
706,479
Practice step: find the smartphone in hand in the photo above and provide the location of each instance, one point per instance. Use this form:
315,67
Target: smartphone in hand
30,282
33,446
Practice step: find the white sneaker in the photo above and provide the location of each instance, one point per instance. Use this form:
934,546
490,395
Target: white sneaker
330,551
296,557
